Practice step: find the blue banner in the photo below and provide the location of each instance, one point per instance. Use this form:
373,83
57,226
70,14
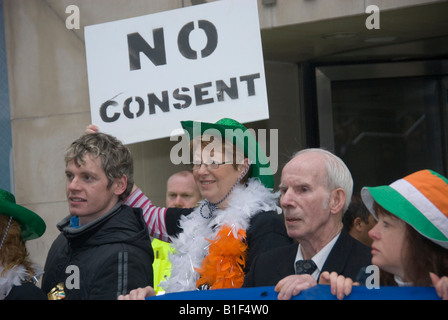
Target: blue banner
319,292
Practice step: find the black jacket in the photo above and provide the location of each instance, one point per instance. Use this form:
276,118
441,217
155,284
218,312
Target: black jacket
346,258
107,257
26,291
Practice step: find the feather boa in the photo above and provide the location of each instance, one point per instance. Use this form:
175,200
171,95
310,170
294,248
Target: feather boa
15,277
223,266
200,237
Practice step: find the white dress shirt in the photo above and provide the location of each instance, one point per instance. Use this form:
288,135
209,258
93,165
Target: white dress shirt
319,258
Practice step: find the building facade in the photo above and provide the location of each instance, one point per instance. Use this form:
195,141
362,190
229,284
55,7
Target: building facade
367,80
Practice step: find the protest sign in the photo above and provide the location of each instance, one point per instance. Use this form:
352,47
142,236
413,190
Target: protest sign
202,63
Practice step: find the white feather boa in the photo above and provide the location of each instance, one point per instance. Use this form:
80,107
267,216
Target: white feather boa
191,245
15,277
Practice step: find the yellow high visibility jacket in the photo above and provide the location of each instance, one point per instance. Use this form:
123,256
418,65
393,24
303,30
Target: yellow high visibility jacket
161,265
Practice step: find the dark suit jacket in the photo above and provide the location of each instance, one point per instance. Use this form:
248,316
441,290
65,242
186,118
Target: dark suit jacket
347,258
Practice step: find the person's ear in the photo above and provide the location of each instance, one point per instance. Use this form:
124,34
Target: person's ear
120,185
357,224
337,200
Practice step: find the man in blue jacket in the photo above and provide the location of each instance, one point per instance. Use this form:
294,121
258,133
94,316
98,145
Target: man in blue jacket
104,249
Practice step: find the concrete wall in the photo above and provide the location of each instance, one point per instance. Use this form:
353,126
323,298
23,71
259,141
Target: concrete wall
49,108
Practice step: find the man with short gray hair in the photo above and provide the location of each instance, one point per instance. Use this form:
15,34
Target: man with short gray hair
316,188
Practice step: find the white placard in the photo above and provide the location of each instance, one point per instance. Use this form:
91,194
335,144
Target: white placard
203,62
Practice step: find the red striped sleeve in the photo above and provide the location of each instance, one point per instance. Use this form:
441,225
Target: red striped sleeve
154,216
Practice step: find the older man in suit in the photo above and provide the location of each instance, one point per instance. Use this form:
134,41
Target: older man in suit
316,188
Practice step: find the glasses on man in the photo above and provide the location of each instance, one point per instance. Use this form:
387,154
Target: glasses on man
209,166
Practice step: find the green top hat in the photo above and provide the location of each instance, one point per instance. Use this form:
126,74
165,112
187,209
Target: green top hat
238,134
31,224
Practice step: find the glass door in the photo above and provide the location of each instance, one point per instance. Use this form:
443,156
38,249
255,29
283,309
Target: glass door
385,127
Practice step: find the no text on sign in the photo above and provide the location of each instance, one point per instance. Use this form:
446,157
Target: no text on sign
148,73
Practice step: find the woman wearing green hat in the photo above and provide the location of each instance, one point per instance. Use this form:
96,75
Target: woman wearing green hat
238,218
410,240
17,274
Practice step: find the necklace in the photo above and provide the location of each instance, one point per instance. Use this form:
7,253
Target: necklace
213,206
194,243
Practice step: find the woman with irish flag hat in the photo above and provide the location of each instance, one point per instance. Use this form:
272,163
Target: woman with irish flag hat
17,274
410,239
236,220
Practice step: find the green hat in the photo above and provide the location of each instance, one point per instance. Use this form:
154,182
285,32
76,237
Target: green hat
238,134
420,199
31,224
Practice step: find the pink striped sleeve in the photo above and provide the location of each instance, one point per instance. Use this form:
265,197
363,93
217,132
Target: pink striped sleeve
153,216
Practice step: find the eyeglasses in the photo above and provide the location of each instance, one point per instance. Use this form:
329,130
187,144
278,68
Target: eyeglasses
209,166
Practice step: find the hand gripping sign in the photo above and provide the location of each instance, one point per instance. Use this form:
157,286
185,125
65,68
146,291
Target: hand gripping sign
203,62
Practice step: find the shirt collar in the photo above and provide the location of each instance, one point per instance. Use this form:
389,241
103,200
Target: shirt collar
401,283
319,258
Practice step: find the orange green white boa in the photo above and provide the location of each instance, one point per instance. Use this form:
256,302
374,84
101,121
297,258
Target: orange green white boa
213,251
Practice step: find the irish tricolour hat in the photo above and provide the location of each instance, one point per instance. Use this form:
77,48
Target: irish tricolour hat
420,199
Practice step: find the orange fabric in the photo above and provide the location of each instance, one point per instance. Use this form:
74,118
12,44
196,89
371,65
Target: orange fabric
223,266
432,187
